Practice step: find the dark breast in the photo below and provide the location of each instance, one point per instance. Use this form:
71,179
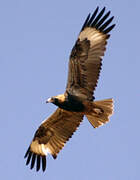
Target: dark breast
71,104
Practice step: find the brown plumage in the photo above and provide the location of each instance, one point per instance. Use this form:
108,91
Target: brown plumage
77,101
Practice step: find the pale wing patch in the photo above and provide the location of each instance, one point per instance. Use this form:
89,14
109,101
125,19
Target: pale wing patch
97,44
45,149
93,35
40,149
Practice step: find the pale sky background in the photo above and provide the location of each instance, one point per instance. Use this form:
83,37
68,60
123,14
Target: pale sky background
36,37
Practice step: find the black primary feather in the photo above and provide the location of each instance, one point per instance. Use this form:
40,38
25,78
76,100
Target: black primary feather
103,26
34,158
28,150
29,158
38,163
33,161
102,20
43,163
98,17
85,23
92,17
99,21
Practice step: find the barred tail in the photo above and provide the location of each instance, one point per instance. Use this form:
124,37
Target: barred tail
102,110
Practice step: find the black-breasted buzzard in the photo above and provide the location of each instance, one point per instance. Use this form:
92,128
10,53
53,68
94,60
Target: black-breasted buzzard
78,100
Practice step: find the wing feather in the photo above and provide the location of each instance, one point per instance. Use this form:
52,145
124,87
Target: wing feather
51,136
38,163
86,56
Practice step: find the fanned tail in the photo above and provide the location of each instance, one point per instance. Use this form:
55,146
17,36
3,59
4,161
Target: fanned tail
102,110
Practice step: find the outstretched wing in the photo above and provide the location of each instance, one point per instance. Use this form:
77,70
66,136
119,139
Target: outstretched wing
51,136
86,56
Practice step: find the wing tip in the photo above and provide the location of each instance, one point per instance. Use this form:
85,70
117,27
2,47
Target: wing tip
99,20
54,156
27,152
43,163
38,163
33,159
107,30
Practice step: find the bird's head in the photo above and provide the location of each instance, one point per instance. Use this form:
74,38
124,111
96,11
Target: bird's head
51,100
56,99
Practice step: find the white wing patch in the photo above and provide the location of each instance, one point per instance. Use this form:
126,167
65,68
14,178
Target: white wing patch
41,149
45,149
93,35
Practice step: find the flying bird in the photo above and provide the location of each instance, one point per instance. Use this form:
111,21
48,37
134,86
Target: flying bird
78,100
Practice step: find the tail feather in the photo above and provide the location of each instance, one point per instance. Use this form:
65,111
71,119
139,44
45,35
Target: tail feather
102,110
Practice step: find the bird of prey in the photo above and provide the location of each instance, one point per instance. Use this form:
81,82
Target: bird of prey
78,100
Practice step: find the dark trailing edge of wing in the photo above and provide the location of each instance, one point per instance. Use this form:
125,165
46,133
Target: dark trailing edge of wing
34,158
100,21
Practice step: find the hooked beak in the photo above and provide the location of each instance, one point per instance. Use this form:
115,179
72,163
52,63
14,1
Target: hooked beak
49,100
